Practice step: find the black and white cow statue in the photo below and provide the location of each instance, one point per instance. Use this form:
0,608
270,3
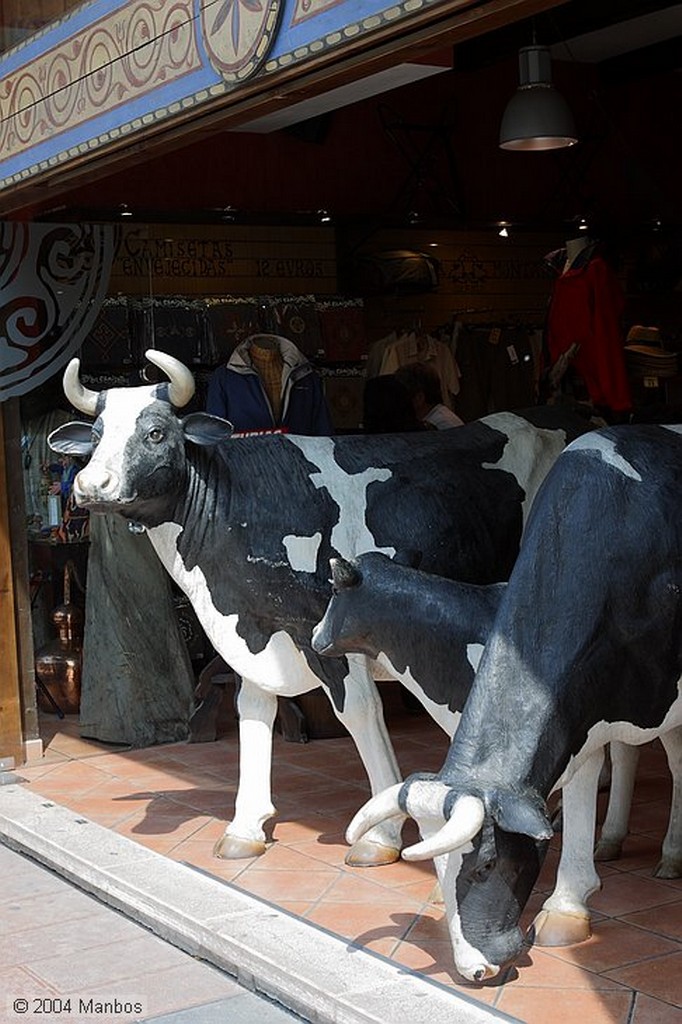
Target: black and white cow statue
247,526
428,633
586,648
425,631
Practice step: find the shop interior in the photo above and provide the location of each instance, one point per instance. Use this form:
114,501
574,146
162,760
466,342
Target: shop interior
368,215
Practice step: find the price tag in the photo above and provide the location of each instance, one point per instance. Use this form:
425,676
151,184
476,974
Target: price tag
650,382
495,335
511,352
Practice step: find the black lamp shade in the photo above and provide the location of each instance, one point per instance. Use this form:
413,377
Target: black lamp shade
537,117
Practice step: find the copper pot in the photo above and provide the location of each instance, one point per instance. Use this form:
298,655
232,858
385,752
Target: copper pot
59,664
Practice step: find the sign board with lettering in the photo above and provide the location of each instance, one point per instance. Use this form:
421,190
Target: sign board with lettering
207,260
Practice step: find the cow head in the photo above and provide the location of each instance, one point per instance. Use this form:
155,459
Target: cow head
342,630
489,845
136,442
348,622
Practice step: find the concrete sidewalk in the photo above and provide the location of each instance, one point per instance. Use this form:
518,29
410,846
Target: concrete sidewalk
56,942
67,956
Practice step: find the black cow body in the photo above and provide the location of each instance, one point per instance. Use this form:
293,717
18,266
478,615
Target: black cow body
247,527
586,649
426,631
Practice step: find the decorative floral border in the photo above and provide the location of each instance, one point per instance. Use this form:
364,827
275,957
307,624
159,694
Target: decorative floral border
158,76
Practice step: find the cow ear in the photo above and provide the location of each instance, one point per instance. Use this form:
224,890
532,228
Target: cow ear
204,429
409,557
344,574
71,439
525,813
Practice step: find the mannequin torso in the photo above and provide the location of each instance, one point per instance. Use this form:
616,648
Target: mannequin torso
574,246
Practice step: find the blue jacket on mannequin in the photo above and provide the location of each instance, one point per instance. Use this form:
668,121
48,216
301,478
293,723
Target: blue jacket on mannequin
237,393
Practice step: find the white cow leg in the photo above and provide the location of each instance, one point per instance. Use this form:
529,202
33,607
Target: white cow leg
624,760
244,835
564,918
363,716
670,865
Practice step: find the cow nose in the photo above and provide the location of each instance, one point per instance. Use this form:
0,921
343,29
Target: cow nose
484,972
93,482
319,641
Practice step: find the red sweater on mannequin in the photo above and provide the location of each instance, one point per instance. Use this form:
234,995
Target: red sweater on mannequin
586,307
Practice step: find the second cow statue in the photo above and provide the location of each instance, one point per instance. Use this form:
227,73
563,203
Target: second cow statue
586,649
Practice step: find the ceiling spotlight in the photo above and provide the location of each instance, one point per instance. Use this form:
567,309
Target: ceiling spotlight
537,117
324,216
228,214
583,225
504,229
124,210
413,217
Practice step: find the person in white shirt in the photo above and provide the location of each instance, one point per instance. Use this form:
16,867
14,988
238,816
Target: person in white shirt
423,386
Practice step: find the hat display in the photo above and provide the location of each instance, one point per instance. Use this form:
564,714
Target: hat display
645,355
645,335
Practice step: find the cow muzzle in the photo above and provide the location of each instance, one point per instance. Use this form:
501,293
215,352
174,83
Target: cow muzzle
478,973
96,485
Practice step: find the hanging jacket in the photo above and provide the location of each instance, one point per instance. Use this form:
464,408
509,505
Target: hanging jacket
585,309
236,392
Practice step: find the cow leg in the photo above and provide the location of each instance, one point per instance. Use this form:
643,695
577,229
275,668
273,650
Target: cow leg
363,716
670,865
624,760
564,918
244,835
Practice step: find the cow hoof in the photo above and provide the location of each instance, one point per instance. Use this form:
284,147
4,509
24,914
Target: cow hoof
366,854
560,928
235,848
436,894
669,867
607,849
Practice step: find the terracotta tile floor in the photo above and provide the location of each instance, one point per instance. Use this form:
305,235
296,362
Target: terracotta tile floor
176,799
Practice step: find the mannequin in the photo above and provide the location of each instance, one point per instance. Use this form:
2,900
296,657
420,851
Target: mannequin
585,312
269,385
574,246
268,363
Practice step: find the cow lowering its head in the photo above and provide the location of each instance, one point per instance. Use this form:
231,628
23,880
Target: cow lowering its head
586,648
247,527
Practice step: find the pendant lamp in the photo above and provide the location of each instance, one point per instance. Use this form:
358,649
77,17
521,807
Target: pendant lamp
537,117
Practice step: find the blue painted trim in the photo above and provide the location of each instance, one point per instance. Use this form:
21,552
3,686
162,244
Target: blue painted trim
293,45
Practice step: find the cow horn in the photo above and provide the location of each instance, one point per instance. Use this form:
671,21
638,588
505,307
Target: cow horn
81,398
382,806
181,380
344,574
464,822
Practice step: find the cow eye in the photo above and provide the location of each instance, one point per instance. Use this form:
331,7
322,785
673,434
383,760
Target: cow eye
483,870
156,435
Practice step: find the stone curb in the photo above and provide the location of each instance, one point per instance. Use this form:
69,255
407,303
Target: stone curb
312,972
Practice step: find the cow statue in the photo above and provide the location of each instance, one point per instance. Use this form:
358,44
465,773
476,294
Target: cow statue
586,648
428,633
423,630
246,527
